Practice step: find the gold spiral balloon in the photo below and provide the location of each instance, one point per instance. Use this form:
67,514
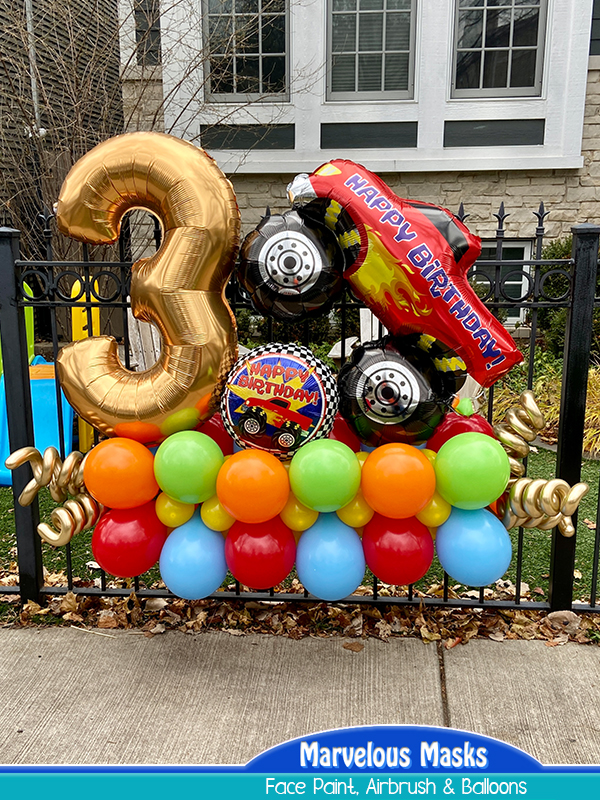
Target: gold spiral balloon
180,289
79,513
520,427
538,503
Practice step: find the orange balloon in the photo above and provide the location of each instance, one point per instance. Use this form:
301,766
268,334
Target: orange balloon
119,473
397,480
253,486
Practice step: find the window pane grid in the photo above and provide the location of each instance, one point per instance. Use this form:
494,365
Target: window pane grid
498,47
370,46
247,46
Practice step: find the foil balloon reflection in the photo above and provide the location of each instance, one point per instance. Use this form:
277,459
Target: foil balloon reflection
408,262
398,388
180,289
291,268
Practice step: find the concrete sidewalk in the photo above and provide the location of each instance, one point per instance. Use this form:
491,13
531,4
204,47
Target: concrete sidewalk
72,697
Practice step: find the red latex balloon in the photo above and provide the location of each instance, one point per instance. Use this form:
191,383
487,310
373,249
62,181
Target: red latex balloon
411,266
453,424
214,428
127,541
342,432
260,555
397,551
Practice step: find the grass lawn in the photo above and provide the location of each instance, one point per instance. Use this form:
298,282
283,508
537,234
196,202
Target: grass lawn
536,544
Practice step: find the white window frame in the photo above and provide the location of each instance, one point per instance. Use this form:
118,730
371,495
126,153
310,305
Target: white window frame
517,91
373,95
237,97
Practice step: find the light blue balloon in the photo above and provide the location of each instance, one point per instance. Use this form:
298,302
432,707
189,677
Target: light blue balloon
329,559
192,561
473,547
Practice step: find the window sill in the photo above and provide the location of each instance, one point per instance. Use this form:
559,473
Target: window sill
405,160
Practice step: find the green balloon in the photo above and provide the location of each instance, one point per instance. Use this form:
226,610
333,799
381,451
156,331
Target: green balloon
186,466
325,475
471,470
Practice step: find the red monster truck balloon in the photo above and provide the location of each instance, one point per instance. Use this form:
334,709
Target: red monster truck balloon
408,262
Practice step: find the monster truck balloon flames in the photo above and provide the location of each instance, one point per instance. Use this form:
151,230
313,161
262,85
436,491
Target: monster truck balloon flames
408,262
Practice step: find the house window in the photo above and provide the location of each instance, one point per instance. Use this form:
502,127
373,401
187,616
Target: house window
371,49
247,45
147,32
498,48
515,280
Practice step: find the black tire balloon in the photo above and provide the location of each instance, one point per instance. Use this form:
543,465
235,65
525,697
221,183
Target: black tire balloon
398,389
291,267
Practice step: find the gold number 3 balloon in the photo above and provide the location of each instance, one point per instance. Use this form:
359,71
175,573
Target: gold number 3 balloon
180,289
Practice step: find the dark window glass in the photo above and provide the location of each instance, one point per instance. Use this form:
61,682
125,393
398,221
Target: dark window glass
220,6
523,68
526,27
273,34
497,28
470,28
370,32
468,70
397,32
374,37
247,74
369,72
221,75
251,34
220,33
343,77
274,73
595,38
499,46
147,32
396,72
344,32
495,68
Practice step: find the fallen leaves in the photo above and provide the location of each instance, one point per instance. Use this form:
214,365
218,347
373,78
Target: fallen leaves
355,647
154,616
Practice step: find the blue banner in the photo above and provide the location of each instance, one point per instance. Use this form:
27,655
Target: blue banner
363,762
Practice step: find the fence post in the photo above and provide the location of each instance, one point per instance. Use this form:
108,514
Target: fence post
573,397
19,414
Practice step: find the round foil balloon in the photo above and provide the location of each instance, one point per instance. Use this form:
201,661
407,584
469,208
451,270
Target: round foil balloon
408,261
291,268
179,289
277,398
398,389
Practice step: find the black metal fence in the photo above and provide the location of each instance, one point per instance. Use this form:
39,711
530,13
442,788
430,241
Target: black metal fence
525,287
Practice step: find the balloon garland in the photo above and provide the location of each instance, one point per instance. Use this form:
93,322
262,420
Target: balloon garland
300,490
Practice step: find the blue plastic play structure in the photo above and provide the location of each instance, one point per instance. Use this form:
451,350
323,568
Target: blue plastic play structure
45,419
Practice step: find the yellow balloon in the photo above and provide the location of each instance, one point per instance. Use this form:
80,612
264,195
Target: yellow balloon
297,535
359,531
430,455
171,512
433,532
214,515
362,457
297,516
435,512
357,513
